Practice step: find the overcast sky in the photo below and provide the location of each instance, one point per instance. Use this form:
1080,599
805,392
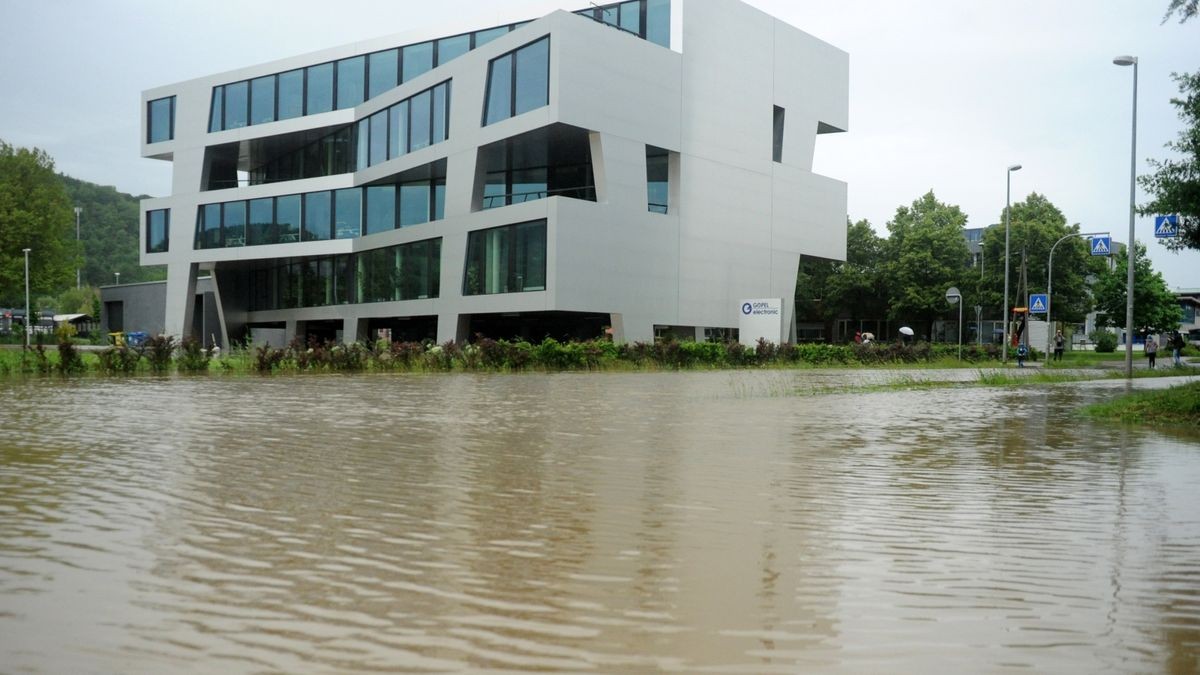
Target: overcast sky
944,94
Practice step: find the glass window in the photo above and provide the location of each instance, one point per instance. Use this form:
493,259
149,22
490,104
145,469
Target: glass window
495,190
658,22
379,137
262,229
453,47
351,81
161,120
485,36
377,274
348,213
398,122
441,98
287,218
381,67
414,203
381,209
262,100
158,228
291,94
418,59
657,172
216,116
510,259
209,228
235,224
777,136
419,126
317,214
420,269
364,143
533,76
499,94
528,185
320,89
631,16
236,101
439,200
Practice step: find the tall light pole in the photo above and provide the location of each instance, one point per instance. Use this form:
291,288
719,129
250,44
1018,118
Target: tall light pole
1130,253
28,326
1007,208
118,274
78,210
1050,281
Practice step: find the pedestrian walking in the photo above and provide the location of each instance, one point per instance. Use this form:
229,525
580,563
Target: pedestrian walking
1022,352
1151,350
1059,341
1177,347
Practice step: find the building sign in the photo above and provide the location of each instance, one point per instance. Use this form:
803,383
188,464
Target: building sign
762,318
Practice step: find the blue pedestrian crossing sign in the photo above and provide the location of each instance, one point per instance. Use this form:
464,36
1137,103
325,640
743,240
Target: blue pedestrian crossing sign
1101,245
1166,226
1037,303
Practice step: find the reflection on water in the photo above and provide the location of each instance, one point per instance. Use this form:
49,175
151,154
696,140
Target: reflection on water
608,523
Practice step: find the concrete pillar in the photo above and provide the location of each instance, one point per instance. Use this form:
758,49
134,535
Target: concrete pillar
453,327
181,294
292,329
627,328
354,330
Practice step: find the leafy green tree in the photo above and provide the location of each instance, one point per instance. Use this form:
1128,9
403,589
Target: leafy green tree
1035,225
1174,186
1154,305
1186,9
35,213
109,231
926,254
855,288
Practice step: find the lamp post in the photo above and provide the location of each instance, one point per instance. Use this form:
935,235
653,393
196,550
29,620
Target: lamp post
78,210
28,326
1007,208
1131,251
955,298
1050,281
118,275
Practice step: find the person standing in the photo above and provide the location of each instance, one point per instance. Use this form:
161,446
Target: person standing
1059,341
1022,352
1151,350
1177,347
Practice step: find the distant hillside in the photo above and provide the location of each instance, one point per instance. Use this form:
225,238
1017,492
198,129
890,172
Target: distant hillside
109,231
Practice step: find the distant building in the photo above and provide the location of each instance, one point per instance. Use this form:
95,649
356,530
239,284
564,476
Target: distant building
643,165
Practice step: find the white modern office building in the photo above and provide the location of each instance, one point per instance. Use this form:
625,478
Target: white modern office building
642,166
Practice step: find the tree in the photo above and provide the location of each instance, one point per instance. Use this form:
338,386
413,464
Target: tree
1186,9
1175,183
1154,305
855,287
35,213
1035,225
109,232
926,254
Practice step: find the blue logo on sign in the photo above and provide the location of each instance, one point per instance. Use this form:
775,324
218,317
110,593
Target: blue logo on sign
1101,245
1166,226
747,308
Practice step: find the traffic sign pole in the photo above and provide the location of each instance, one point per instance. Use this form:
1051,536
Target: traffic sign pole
1050,277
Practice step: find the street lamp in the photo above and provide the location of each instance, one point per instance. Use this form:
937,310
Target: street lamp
1050,280
1007,208
78,210
28,326
118,277
1131,251
955,298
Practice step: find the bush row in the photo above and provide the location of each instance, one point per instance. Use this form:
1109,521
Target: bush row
163,355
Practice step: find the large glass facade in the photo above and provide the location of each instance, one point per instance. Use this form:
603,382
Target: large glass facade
414,123
158,231
327,156
317,216
647,19
518,82
509,259
404,272
552,161
160,120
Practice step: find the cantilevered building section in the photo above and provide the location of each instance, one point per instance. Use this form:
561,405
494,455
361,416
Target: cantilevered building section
643,166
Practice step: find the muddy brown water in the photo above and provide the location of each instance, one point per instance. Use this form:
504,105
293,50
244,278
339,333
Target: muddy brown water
610,523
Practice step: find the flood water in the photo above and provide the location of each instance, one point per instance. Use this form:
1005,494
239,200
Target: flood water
609,523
